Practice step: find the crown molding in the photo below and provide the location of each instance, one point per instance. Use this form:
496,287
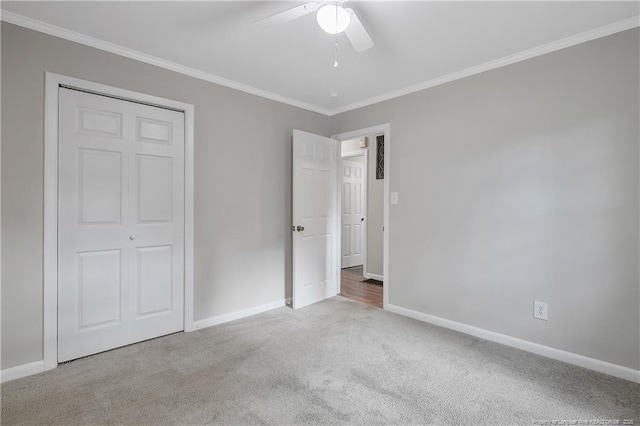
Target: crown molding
43,27
563,43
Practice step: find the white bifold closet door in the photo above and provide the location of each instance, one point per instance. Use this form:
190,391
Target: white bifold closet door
121,223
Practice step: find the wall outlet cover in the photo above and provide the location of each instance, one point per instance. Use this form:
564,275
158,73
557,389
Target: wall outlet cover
541,310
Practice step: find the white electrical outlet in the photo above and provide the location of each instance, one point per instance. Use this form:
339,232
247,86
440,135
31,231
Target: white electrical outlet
541,310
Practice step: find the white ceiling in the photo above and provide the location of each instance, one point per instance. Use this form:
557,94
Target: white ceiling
417,44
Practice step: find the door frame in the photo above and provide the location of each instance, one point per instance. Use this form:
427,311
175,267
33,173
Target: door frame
365,207
386,130
50,238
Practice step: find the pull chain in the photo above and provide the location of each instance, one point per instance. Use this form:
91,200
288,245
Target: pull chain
335,57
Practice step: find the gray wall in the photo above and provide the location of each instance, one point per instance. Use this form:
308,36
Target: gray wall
375,213
521,184
242,211
375,205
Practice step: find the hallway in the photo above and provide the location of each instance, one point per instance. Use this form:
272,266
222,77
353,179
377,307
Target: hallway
355,287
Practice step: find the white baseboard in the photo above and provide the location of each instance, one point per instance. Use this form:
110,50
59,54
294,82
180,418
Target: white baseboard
36,367
219,319
21,371
546,351
374,277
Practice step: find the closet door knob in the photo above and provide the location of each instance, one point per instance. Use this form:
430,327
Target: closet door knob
132,237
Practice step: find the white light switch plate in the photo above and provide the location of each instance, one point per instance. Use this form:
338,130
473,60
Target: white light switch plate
394,198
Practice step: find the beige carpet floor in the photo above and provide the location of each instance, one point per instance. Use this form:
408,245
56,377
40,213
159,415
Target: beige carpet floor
336,362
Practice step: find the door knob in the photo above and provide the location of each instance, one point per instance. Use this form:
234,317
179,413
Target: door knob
300,228
362,219
132,237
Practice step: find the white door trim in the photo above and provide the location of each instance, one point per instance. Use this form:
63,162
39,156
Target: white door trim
386,129
50,237
365,207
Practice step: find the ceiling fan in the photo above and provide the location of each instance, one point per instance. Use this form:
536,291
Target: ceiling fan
332,18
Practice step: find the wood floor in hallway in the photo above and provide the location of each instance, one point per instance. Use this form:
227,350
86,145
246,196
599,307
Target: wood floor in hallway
355,287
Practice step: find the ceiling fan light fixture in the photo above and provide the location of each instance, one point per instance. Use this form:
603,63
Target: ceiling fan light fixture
333,19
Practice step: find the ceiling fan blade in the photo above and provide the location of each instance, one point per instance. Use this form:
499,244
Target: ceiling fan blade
289,14
357,35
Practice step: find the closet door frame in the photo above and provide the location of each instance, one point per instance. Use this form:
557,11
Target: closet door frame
50,238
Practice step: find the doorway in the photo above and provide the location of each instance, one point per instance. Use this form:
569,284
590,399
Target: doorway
362,230
316,223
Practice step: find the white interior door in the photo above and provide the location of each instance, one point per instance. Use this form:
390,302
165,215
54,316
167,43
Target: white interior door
121,223
315,218
353,199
